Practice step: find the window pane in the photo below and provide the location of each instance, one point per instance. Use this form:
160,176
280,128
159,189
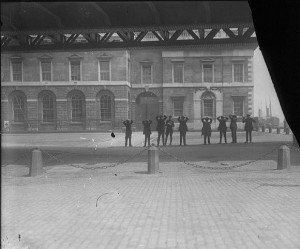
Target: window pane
238,73
46,70
19,109
105,107
178,107
146,70
75,70
48,109
208,107
178,72
77,108
207,72
104,70
238,106
17,70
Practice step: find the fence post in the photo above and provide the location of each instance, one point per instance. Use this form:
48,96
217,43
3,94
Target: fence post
270,129
36,163
278,130
153,160
283,157
263,128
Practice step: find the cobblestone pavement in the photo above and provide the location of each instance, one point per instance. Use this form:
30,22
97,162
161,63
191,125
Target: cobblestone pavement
181,207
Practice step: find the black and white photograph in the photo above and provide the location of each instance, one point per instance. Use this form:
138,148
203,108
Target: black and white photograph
150,125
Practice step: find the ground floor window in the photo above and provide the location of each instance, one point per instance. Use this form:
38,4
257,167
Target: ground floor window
238,106
105,107
208,102
178,107
77,113
48,108
18,108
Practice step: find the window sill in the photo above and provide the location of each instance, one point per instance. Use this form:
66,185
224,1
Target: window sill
18,123
75,123
47,123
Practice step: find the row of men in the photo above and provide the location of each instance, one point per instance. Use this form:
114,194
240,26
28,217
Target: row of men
165,128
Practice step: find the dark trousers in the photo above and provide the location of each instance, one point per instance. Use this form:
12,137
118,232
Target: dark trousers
161,134
183,137
233,135
147,138
128,136
249,135
167,134
223,133
208,138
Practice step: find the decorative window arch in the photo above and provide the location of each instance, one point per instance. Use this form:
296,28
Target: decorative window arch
47,103
208,104
106,101
18,102
76,101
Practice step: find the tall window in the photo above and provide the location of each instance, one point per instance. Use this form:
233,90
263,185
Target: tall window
105,107
238,72
207,72
178,107
104,70
75,70
48,108
46,70
18,108
147,74
238,106
208,101
77,108
177,72
16,70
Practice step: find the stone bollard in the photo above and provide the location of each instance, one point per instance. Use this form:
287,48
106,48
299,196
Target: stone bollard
278,130
283,157
153,160
270,129
263,128
37,163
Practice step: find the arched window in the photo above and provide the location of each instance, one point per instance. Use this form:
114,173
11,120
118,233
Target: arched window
208,101
48,108
18,102
77,103
105,107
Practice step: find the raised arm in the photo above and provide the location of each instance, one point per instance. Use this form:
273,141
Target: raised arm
150,122
124,123
186,119
131,122
210,120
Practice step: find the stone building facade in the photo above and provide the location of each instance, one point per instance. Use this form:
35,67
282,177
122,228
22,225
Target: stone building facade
97,90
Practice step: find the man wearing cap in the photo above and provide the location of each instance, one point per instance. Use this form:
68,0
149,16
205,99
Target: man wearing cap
161,128
222,128
206,129
128,131
169,129
147,131
183,129
248,127
233,127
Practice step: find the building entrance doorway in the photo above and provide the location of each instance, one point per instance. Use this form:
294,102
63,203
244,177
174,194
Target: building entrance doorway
146,108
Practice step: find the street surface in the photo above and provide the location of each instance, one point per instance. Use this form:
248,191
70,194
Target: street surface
85,199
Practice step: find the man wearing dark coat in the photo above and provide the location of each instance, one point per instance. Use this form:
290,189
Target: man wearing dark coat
206,129
160,127
169,129
233,127
222,128
147,131
128,131
248,127
183,129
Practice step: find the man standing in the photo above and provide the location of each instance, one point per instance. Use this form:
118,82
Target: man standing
222,127
248,127
183,129
233,127
147,131
161,128
206,129
169,129
128,131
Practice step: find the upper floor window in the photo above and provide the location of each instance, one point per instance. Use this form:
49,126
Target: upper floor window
147,74
178,69
238,106
104,70
238,72
208,74
16,70
75,70
46,70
